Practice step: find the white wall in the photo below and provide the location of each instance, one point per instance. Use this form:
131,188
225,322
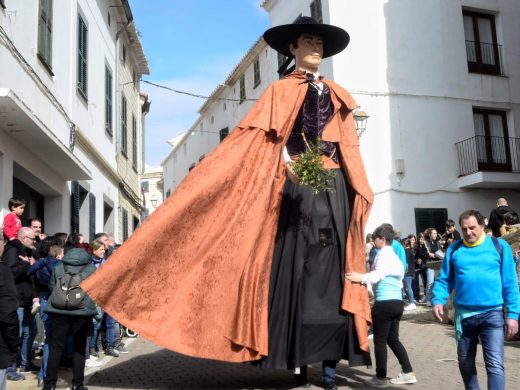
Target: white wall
20,21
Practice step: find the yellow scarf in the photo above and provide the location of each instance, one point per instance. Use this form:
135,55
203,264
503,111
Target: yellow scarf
478,242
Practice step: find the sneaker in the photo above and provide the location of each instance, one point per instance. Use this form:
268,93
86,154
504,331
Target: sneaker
92,363
111,352
302,381
329,385
12,375
60,383
29,368
422,300
409,307
377,382
93,352
404,379
121,348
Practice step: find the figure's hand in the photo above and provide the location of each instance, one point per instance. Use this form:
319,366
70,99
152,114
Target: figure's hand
438,311
290,173
418,261
432,255
353,277
25,258
511,328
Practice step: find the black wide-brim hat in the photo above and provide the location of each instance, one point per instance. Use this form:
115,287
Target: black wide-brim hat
335,39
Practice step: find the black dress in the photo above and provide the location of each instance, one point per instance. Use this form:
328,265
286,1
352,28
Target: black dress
306,323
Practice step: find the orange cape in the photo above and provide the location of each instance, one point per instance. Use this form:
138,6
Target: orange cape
194,278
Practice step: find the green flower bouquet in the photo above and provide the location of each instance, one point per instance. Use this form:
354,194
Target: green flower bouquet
310,170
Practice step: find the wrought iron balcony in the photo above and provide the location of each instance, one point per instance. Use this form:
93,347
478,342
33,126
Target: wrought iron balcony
484,58
491,154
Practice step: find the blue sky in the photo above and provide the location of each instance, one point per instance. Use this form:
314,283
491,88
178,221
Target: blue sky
190,46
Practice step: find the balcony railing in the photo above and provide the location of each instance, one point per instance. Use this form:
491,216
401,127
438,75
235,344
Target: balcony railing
491,154
484,58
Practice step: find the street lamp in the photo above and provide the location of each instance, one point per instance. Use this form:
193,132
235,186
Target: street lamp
153,201
360,117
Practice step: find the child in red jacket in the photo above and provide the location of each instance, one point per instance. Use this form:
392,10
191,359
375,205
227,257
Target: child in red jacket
12,222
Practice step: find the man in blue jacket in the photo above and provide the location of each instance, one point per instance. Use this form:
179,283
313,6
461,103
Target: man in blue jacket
481,271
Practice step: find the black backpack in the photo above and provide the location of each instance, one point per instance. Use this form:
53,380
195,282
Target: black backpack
67,294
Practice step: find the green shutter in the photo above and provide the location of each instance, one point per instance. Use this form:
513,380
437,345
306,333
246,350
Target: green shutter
92,216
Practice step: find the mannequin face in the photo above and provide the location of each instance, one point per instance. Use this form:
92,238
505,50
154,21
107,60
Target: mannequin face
309,52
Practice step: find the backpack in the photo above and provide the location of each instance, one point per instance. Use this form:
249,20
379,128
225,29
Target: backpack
67,294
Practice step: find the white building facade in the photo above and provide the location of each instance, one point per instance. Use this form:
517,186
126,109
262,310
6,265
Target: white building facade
441,83
152,189
226,105
57,111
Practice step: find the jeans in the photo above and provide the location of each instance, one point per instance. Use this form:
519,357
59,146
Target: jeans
408,279
328,371
490,327
3,374
386,316
430,277
97,327
47,325
111,331
27,333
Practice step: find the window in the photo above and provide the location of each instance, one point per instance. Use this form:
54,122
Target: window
134,78
431,218
45,34
123,55
124,218
482,50
108,19
191,167
316,11
82,57
134,143
224,133
145,186
2,3
168,193
242,88
124,130
491,140
281,62
256,67
108,101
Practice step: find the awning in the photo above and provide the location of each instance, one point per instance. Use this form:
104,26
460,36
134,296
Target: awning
17,120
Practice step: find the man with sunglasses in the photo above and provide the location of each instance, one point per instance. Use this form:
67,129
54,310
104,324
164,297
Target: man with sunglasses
18,258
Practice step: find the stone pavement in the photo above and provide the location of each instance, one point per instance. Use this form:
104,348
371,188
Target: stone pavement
431,348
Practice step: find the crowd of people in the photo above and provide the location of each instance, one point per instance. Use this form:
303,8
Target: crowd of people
424,252
33,263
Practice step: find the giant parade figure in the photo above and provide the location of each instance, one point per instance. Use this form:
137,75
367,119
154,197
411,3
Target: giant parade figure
245,263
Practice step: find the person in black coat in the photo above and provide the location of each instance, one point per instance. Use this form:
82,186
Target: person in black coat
9,325
496,218
18,258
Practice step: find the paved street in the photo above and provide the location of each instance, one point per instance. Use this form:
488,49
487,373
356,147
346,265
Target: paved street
430,345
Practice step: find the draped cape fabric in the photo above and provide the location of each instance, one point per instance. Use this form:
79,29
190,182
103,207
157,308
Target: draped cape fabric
194,278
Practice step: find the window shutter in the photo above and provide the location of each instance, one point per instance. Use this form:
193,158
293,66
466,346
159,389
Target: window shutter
92,215
108,101
74,207
82,56
134,142
125,224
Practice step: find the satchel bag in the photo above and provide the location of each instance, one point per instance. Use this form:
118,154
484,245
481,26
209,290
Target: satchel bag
67,294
